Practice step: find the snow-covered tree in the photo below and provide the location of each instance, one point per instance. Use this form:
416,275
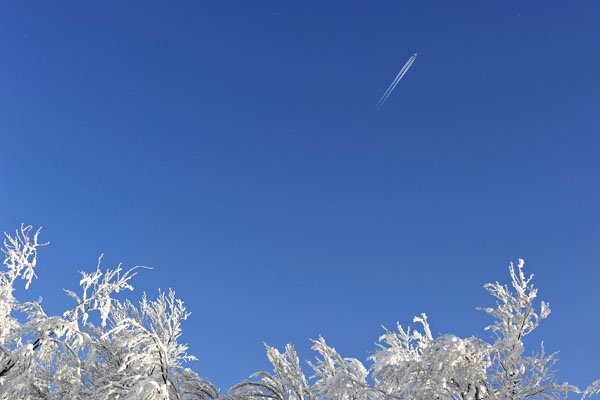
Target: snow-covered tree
132,352
415,365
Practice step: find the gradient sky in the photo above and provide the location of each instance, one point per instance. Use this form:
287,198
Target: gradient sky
231,146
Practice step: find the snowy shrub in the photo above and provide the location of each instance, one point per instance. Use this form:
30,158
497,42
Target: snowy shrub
134,353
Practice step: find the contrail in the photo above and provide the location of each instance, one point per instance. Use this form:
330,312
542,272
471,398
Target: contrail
406,67
392,86
394,83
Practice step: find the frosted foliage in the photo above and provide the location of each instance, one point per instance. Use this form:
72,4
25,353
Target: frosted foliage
444,366
338,378
106,348
133,353
413,364
286,383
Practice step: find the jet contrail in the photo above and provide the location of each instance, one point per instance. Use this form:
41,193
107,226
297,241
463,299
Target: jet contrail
394,83
392,86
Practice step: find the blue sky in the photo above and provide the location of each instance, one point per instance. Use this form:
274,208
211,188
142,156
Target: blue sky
231,146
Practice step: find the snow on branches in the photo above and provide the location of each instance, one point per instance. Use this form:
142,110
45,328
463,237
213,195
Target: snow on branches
134,352
414,365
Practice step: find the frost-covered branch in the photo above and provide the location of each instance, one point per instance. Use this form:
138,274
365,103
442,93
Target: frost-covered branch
415,365
134,353
286,383
105,348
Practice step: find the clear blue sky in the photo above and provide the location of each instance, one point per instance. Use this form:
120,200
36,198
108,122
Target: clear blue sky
230,145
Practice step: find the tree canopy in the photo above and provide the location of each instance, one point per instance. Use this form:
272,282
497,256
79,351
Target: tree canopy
133,350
